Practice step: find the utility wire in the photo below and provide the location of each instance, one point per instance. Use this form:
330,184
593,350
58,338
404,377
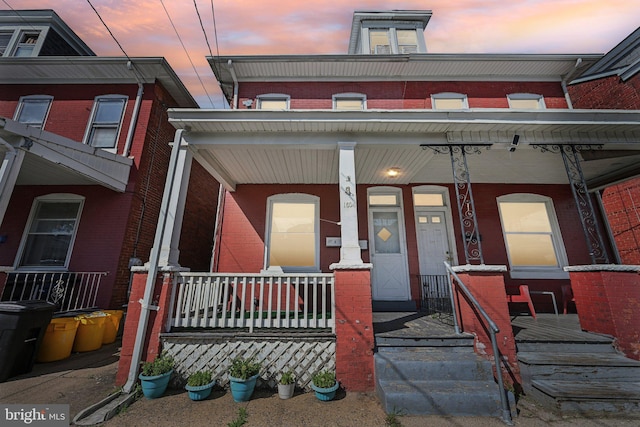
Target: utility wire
186,52
138,77
206,39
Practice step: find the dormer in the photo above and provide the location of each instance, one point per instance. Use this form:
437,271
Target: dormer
388,32
29,33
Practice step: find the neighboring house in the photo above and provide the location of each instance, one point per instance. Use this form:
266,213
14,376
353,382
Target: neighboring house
614,83
348,182
84,146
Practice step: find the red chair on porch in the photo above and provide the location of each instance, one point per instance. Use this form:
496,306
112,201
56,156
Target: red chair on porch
522,296
567,297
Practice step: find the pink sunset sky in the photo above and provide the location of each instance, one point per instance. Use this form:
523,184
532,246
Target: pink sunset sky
246,27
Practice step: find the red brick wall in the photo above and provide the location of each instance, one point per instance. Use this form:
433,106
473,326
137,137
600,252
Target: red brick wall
399,95
354,330
607,303
607,93
489,290
196,238
156,323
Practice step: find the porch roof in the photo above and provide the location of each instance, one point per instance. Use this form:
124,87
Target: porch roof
300,146
54,160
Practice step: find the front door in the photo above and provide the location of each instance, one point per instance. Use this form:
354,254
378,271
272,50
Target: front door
390,275
433,251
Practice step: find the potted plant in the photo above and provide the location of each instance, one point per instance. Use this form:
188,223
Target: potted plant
199,385
286,385
325,385
243,375
155,376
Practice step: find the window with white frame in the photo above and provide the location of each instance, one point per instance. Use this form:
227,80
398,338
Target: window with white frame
26,44
5,38
349,101
33,110
273,101
449,101
385,41
526,101
407,41
51,230
532,236
379,41
293,232
105,122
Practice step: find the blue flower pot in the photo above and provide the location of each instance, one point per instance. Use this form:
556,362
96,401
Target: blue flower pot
200,392
325,394
154,386
241,390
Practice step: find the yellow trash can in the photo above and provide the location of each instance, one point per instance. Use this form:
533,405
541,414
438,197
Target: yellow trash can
111,325
58,339
90,332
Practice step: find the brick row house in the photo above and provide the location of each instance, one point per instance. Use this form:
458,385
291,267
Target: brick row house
84,150
357,184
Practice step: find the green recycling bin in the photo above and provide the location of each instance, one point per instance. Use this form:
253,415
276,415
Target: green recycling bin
22,327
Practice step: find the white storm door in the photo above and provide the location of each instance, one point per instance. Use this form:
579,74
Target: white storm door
390,276
433,242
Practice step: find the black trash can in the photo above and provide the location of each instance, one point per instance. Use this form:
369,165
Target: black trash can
22,326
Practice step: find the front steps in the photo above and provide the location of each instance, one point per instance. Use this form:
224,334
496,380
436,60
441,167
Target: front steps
428,372
587,376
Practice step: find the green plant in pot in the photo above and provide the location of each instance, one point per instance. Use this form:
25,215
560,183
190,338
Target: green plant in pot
199,385
155,375
325,385
243,375
286,385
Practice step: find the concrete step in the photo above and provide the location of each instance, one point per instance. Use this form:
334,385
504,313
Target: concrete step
450,341
603,345
588,396
577,366
433,364
430,397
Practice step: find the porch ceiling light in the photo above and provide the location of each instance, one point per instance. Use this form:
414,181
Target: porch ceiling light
393,172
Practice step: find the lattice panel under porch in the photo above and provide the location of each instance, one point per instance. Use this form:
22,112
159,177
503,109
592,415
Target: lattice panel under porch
303,356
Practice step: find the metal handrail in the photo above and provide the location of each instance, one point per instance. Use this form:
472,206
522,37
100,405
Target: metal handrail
493,330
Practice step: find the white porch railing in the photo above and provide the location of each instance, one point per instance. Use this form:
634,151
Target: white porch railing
70,291
227,300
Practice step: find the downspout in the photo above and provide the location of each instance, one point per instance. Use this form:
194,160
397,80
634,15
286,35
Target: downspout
147,300
134,121
235,85
564,81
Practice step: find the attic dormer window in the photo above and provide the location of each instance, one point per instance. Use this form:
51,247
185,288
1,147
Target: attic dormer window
379,42
349,101
26,44
407,41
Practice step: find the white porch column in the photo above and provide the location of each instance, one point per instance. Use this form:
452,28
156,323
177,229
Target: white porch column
9,170
169,251
350,249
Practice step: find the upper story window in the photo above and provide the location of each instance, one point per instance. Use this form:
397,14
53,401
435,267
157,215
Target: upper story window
5,38
384,41
449,101
49,237
532,236
273,101
349,101
26,44
105,122
293,232
525,101
407,41
379,41
33,110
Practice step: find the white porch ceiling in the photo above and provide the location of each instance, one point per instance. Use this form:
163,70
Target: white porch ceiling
250,146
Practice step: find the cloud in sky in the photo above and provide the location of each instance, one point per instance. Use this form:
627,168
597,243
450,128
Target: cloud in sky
249,27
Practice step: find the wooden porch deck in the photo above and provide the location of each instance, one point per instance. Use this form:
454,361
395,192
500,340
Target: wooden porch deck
547,327
553,328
